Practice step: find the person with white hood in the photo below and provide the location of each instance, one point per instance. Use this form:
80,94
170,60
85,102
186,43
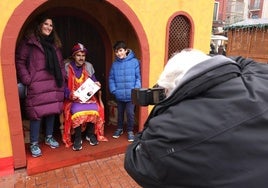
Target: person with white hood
210,130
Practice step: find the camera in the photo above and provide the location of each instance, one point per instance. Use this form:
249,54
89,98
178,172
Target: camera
147,96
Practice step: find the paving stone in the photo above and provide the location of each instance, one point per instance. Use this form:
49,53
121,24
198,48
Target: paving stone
108,172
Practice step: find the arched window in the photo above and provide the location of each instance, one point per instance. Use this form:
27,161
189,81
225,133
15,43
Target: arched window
179,34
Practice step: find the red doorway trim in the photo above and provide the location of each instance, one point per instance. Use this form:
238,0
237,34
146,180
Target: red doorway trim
10,34
9,40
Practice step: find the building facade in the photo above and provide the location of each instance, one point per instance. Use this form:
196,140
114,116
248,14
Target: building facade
153,29
228,12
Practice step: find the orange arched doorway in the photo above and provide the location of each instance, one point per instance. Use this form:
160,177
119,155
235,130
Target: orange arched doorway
23,15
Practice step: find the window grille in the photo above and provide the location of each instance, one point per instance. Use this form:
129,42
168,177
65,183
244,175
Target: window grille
216,11
179,35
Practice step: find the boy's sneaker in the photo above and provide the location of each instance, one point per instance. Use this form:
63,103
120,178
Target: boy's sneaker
77,146
117,133
35,150
130,136
51,142
92,140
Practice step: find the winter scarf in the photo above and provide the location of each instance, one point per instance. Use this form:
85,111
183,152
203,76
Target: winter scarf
52,63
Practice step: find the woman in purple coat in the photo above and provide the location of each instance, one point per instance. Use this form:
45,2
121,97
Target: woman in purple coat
40,67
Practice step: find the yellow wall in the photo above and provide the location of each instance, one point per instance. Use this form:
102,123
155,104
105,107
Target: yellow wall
7,7
154,15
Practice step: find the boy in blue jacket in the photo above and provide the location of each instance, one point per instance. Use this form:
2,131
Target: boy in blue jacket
124,76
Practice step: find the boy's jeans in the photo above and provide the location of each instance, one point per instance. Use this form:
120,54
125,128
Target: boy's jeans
129,108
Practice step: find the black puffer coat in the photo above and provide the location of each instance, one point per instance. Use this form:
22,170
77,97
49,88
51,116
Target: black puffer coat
212,132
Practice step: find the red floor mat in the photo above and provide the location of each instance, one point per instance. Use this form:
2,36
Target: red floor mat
62,156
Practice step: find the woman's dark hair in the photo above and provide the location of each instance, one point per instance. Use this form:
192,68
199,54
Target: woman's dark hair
41,19
119,44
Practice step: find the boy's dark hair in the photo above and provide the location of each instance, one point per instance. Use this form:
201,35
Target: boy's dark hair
119,44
